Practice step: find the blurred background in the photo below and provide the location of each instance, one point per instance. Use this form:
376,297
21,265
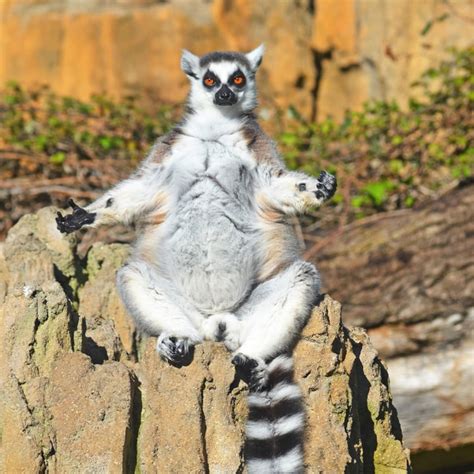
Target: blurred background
379,92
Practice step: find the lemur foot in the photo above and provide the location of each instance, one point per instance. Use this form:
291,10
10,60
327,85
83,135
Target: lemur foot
177,351
228,333
74,221
252,371
224,328
231,340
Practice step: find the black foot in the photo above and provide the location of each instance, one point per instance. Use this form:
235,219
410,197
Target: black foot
74,221
327,186
251,371
176,351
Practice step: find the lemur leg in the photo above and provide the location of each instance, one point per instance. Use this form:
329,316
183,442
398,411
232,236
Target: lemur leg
150,300
273,316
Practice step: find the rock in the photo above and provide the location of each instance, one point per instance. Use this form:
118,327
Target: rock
107,329
323,57
348,400
81,393
94,416
192,417
414,291
433,391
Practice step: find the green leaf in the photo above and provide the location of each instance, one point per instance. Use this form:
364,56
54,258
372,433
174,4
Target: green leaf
436,151
289,138
430,23
426,28
41,142
294,114
58,158
396,166
327,127
358,201
106,143
377,192
54,122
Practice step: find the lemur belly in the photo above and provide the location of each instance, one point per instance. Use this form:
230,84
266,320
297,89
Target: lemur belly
210,246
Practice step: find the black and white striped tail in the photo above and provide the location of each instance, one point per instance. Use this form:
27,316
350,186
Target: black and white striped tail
274,432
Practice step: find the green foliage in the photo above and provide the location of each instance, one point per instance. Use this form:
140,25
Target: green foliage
389,158
57,158
60,127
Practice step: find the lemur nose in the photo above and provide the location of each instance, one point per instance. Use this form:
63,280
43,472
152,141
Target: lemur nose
225,92
225,96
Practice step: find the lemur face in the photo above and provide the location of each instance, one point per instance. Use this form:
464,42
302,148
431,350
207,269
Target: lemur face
226,82
223,80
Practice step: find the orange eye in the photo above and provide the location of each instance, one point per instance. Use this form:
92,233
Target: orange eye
209,81
238,80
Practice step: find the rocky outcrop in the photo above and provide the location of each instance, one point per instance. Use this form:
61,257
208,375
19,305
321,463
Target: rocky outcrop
414,292
323,56
81,393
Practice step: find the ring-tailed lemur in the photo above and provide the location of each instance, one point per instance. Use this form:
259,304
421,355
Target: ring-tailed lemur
216,256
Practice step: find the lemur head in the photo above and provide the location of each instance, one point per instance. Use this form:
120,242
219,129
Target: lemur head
223,80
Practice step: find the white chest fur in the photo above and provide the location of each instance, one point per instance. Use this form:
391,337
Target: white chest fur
226,161
209,236
196,153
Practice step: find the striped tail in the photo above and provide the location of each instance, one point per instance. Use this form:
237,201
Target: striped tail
274,432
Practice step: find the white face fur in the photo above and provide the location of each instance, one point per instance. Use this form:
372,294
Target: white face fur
223,81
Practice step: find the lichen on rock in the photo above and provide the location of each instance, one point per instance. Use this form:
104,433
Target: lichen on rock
81,393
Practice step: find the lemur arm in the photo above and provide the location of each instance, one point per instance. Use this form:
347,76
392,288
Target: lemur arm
126,202
292,193
123,204
284,192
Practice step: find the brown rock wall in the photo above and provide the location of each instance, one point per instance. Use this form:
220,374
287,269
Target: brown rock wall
322,56
372,49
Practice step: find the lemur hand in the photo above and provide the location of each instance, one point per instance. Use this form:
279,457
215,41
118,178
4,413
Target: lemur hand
327,186
74,221
323,187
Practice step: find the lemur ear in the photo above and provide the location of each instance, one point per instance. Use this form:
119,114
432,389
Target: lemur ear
255,57
190,64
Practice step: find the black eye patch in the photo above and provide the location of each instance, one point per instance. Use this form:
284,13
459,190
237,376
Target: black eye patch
237,79
210,80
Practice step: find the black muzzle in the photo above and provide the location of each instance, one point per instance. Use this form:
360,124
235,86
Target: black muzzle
224,96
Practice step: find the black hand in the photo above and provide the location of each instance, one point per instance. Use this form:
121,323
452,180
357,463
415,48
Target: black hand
327,186
74,221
